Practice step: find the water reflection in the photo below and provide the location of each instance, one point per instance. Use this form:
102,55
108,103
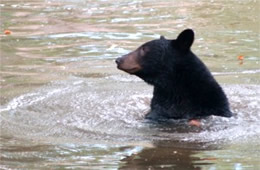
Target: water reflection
165,157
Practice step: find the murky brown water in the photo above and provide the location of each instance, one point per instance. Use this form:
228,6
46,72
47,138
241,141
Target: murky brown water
64,105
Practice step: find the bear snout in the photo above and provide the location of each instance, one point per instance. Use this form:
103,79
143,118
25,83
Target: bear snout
128,63
118,61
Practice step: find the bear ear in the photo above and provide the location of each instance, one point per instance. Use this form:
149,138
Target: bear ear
185,39
162,37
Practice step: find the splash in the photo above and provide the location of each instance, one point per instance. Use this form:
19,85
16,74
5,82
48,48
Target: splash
111,109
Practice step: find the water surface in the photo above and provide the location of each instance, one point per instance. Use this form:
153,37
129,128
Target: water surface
64,105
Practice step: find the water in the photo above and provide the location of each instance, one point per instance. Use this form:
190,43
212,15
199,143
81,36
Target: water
64,105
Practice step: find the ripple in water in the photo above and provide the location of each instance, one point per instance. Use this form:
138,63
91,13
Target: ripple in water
90,110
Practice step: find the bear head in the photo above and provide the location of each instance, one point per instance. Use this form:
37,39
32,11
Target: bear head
155,59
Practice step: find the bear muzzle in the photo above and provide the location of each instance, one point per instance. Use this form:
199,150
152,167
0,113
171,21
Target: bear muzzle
128,63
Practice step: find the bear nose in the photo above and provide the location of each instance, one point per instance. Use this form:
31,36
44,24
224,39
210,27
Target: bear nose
118,60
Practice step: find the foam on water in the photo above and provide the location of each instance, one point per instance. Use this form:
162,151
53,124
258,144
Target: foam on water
112,110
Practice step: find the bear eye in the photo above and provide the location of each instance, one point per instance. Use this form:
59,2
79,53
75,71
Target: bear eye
145,48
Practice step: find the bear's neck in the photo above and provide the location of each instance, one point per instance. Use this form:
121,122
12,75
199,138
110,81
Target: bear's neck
165,102
167,89
165,83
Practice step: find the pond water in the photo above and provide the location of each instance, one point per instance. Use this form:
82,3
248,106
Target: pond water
64,105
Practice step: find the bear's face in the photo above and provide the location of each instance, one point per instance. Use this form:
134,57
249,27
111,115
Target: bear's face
152,59
144,58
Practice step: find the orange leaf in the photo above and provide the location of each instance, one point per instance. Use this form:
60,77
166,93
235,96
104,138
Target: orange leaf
241,57
7,32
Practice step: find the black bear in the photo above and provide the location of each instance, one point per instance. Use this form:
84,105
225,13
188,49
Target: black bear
184,88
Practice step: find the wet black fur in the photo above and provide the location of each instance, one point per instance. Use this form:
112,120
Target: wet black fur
183,86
